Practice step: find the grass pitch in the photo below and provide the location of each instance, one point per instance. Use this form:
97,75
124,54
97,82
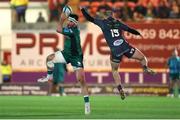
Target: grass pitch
71,107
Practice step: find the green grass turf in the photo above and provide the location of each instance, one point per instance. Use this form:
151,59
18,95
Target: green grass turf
102,107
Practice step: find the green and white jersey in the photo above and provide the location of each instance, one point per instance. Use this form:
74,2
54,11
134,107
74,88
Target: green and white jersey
72,44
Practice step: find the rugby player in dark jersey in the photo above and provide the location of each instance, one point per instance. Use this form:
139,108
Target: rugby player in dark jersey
113,29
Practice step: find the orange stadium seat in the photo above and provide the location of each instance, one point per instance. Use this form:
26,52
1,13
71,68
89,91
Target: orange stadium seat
94,6
131,4
118,4
110,4
84,3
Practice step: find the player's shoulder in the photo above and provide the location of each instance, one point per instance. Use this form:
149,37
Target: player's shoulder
170,58
178,58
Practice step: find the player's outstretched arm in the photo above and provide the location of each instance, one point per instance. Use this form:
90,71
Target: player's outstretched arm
86,14
59,28
129,29
63,17
133,31
67,10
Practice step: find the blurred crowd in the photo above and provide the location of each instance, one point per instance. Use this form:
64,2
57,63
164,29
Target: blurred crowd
135,10
127,10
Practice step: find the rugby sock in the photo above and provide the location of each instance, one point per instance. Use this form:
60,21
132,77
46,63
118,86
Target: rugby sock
179,90
171,91
87,104
61,90
86,98
145,67
119,87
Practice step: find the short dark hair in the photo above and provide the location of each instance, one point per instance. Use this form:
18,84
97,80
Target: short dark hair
76,17
66,1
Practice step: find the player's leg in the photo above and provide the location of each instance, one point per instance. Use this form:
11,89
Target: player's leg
58,78
54,91
176,86
81,78
77,63
171,85
56,57
117,78
138,55
178,81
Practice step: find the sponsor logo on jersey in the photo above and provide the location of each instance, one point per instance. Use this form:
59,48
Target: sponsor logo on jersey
118,42
79,63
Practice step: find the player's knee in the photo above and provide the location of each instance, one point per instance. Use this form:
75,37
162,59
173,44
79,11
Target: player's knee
81,79
49,61
142,58
115,69
50,57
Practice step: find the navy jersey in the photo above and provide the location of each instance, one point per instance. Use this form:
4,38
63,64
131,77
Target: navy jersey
112,30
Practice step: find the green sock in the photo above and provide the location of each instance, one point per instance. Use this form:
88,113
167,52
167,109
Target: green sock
49,72
61,90
171,91
86,98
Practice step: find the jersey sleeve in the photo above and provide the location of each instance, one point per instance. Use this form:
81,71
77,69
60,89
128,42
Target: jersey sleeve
91,19
67,32
129,29
124,27
98,22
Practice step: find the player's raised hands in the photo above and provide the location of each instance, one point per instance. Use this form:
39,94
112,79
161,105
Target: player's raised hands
141,35
81,7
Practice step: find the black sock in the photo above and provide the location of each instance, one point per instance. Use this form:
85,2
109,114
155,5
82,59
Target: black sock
171,91
179,90
145,67
119,87
49,72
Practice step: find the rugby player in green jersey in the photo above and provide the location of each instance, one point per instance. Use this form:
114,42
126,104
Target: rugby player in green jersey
72,53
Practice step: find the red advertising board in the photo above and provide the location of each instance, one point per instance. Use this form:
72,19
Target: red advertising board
158,40
157,43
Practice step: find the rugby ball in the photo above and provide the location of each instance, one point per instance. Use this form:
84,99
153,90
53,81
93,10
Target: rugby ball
67,10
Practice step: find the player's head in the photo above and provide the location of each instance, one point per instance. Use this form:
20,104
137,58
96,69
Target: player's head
63,2
73,20
66,1
175,52
116,13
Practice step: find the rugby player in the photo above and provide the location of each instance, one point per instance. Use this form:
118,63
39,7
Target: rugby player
72,53
112,29
174,72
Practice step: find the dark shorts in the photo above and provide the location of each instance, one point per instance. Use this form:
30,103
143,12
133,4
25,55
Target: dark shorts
174,76
127,50
75,60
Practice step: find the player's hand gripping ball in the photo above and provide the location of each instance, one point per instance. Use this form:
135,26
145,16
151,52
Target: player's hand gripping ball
67,10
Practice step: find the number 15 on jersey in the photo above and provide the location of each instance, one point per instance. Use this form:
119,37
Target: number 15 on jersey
115,33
